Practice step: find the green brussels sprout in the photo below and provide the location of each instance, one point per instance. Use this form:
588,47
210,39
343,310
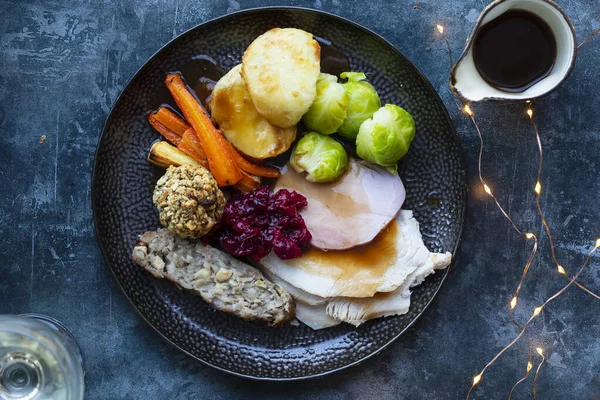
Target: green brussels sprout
328,110
363,101
384,139
323,157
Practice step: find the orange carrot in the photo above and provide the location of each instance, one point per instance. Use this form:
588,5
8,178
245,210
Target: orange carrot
247,166
190,137
190,144
171,120
248,183
163,130
220,162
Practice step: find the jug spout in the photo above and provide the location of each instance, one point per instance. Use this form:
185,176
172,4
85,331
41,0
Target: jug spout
467,83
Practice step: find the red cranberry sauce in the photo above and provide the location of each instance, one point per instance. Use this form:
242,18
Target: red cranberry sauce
256,222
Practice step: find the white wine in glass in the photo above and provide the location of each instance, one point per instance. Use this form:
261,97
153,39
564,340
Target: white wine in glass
39,360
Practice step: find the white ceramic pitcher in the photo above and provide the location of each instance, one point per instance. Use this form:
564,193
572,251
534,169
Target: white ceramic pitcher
466,82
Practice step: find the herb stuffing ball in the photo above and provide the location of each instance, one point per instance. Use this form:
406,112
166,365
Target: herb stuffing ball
189,200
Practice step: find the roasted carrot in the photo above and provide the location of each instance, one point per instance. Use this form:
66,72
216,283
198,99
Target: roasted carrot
171,120
220,161
167,133
248,183
190,144
247,166
255,169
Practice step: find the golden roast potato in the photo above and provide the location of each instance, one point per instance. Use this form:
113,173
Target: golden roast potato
233,110
280,69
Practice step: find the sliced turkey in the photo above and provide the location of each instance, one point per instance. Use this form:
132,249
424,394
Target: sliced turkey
298,294
315,316
380,266
350,211
323,313
356,311
320,312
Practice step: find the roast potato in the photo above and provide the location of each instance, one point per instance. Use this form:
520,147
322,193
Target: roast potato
233,110
280,69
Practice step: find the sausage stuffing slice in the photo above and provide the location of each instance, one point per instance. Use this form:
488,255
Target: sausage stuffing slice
223,281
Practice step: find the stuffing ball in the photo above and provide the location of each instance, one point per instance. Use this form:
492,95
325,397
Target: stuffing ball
189,201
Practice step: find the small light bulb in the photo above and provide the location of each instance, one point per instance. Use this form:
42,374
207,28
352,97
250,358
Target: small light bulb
561,270
537,311
529,235
440,28
530,112
540,351
467,110
538,187
513,303
597,242
529,366
489,191
476,379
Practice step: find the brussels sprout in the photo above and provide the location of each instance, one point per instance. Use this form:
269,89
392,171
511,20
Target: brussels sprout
328,110
321,156
363,101
385,138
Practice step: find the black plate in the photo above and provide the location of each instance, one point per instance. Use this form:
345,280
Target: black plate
433,173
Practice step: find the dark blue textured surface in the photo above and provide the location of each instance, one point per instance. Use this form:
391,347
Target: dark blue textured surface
63,65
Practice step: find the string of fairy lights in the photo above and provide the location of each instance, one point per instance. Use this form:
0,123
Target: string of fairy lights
466,108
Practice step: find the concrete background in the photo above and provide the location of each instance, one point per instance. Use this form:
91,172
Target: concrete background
62,66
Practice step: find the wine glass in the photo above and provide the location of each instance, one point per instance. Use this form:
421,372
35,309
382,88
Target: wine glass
39,360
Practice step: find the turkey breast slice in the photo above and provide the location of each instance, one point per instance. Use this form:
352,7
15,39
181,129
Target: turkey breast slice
356,311
315,316
298,294
323,313
380,266
350,211
310,309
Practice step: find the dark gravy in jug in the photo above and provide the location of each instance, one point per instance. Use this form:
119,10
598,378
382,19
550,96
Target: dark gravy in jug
514,51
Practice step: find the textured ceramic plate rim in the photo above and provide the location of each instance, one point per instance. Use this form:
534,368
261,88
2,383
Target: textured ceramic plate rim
393,48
